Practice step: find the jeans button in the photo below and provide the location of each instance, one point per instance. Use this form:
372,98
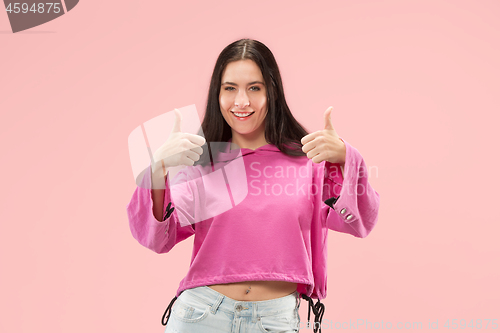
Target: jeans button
239,307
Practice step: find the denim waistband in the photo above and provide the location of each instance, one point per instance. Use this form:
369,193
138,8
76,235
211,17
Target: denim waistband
219,301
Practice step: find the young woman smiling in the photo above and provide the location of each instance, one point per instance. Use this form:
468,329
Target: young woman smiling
253,263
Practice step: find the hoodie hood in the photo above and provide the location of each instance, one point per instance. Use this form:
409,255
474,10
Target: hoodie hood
228,151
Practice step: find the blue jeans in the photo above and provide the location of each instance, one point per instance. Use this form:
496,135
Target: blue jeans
203,309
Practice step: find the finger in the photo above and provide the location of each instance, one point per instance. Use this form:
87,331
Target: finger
309,137
319,158
177,121
185,144
328,120
318,155
196,139
198,150
305,139
309,146
318,139
313,152
192,155
186,161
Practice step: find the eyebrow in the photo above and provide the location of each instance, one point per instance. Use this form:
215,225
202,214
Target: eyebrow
234,84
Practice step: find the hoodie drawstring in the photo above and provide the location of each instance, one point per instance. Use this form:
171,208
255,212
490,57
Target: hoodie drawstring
318,309
169,309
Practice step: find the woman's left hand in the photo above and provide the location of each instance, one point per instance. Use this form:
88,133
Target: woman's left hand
325,145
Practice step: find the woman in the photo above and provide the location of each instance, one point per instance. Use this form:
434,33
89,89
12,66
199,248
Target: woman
252,263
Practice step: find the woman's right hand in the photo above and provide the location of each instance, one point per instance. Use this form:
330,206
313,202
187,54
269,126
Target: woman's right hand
179,149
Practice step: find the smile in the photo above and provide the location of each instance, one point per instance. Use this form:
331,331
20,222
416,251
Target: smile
242,114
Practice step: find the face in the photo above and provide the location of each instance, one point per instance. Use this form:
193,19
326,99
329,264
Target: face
243,100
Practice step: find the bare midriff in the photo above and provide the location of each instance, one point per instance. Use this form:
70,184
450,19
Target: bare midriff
254,291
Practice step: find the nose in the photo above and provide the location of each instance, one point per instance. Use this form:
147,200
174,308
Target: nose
242,100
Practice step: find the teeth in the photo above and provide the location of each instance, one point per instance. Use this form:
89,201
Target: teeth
242,114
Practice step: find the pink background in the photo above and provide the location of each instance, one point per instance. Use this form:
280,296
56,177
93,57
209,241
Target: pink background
414,85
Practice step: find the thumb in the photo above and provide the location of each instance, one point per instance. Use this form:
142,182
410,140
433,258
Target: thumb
177,121
328,121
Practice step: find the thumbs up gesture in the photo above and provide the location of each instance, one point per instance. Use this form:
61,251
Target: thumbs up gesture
325,145
179,149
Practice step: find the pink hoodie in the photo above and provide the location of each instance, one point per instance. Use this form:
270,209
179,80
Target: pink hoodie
258,215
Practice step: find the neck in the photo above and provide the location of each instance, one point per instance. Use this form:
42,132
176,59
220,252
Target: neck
248,141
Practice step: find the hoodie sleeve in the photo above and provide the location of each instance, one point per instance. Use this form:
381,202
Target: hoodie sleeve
351,204
161,236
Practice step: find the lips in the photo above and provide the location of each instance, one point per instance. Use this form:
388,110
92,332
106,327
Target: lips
247,114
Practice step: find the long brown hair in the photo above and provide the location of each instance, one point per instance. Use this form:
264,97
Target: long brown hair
281,128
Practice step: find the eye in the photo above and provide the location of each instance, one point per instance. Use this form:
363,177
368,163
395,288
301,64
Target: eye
229,88
256,88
